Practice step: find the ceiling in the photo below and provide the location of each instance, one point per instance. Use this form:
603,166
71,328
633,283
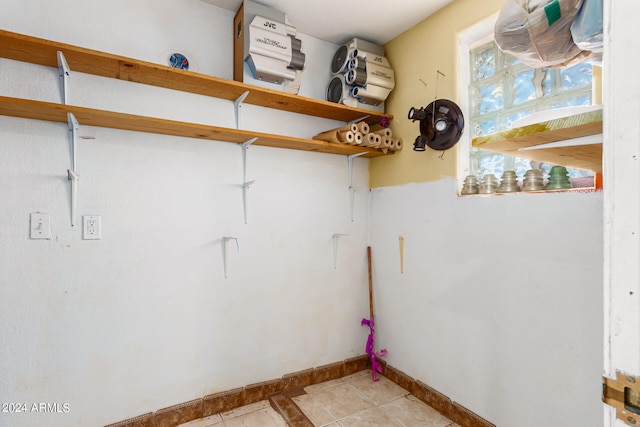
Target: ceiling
337,21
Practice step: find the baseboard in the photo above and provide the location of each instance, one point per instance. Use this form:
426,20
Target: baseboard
438,401
293,384
290,384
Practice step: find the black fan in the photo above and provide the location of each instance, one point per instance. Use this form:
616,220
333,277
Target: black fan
441,125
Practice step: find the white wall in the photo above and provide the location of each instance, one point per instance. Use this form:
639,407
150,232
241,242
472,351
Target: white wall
499,306
500,303
144,318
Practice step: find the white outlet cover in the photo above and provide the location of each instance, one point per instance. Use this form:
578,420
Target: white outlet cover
91,227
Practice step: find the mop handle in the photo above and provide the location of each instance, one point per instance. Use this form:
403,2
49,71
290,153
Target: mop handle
370,283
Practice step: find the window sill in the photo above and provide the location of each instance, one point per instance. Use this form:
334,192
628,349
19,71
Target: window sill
596,186
567,190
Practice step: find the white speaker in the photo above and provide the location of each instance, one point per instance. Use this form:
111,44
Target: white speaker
363,77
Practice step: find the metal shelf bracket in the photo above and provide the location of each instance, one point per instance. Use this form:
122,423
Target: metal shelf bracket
65,73
336,237
352,191
245,184
225,240
236,106
72,173
74,128
359,120
74,178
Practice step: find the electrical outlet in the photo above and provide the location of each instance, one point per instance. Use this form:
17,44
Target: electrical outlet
91,227
40,226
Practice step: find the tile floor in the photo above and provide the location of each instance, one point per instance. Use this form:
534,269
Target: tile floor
259,414
356,401
352,401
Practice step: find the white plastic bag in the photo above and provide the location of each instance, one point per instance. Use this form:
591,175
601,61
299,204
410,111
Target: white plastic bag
538,32
587,27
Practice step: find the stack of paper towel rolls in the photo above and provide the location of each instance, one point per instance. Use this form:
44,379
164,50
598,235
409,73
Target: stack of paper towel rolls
360,134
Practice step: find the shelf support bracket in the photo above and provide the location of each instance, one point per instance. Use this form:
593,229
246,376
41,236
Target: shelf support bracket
74,128
352,190
236,106
72,174
65,73
74,178
224,251
359,120
335,238
245,184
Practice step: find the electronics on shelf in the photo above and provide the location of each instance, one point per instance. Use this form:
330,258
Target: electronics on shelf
362,76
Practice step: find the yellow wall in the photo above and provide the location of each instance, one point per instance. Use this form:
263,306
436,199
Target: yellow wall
416,55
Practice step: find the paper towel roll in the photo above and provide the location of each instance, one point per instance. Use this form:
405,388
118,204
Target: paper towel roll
352,127
346,137
396,144
331,136
357,138
386,142
371,140
384,132
363,127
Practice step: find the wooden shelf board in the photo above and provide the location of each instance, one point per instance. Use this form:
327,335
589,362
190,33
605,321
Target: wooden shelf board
580,156
40,110
44,52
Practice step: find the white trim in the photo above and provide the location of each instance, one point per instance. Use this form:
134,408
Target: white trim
480,32
607,215
621,153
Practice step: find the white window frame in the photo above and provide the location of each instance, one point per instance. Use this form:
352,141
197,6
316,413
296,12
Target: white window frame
480,32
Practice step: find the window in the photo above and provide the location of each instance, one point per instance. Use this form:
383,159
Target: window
498,89
502,90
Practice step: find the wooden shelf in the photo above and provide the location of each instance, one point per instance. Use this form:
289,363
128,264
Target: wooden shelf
587,157
44,52
39,110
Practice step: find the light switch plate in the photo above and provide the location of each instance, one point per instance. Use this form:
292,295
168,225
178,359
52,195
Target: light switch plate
40,227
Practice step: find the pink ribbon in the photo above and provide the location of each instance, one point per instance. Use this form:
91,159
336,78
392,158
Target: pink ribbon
371,349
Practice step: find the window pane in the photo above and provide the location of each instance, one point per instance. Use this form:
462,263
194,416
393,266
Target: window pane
515,116
547,83
583,100
485,127
491,98
492,163
484,64
521,166
577,76
524,89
